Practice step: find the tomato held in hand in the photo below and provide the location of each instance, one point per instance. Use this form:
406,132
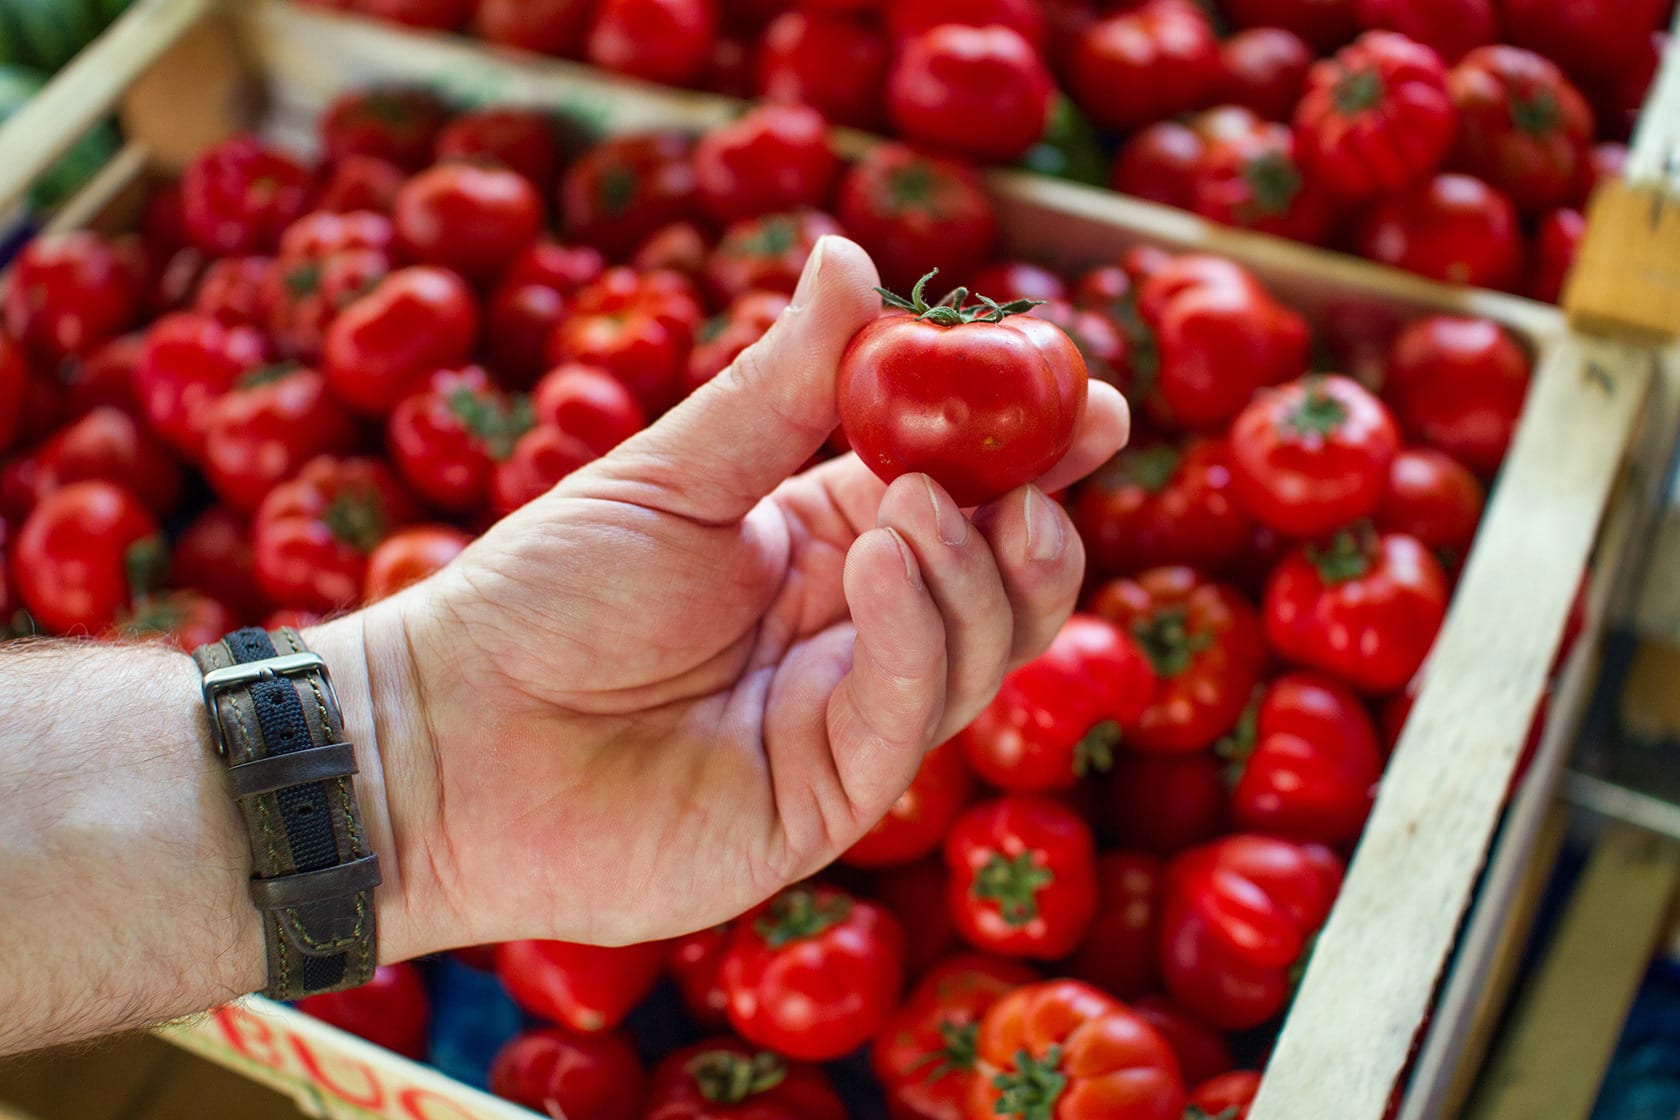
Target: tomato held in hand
1255,181
979,92
238,196
69,293
1019,382
1226,1097
1457,384
266,427
1164,803
623,189
1023,878
578,1076
1453,228
1239,918
914,212
82,554
921,816
1364,608
1062,1050
1377,116
1156,505
814,972
1058,717
410,555
726,1079
395,125
1154,61
834,63
1118,955
390,1010
1205,643
588,988
524,141
1264,69
1308,767
188,362
1448,27
774,158
765,254
1432,497
469,218
380,347
1523,128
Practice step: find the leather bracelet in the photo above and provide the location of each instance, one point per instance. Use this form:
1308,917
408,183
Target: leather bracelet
275,720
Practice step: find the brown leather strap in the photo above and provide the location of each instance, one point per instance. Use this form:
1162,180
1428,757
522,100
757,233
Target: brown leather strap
277,771
291,891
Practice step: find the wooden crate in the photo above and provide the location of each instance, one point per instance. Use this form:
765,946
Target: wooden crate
1581,481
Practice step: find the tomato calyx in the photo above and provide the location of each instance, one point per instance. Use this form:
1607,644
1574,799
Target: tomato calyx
1273,181
1013,884
1168,642
957,1055
144,563
267,374
1194,1112
954,310
1095,750
1318,414
616,190
774,236
1150,467
1359,91
799,914
356,519
1345,556
302,280
497,423
1536,115
1237,746
1031,1089
726,1077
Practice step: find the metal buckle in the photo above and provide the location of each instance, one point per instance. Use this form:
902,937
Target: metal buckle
220,681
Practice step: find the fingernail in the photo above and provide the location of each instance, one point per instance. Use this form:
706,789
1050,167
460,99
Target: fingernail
912,571
948,520
808,278
1045,536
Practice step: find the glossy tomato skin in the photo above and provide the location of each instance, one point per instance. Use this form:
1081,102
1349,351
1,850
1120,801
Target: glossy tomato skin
238,196
924,1055
214,554
1255,181
830,61
1158,162
1156,505
390,1010
1313,455
583,1076
266,427
696,964
722,338
1523,128
326,261
1021,382
588,404
396,125
108,443
1452,227
1557,239
554,27
1264,69
189,361
361,183
1229,1095
472,219
1023,880
1201,1050
1586,36
917,822
1058,718
1239,915
950,78
639,328
1107,1061
910,18
68,293
16,380
1164,803
542,457
1310,770
1450,28
78,554
1433,497
408,556
233,289
765,254
522,140
314,532
185,619
666,41
589,988
415,320
1155,61
529,303
727,1079
773,159
1363,608
914,212
447,438
1205,642
1377,116
1457,385
625,188
1118,954
813,972
103,379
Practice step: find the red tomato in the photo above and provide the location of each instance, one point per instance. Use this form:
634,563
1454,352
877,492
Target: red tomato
1014,279
409,556
1324,24
1239,918
1453,228
1448,27
639,328
238,196
919,819
188,362
186,619
1434,498
696,964
1523,128
69,293
1556,241
925,1054
1159,163
553,27
1308,768
447,438
1264,69
1210,337
1255,181
109,444
104,379
765,254
413,321
529,303
725,1079
472,219
588,404
522,140
658,40
1619,94
435,15
232,289
1157,505
1118,955
390,1010
915,893
624,188
1138,66
396,125
16,379
901,374
1202,1052
680,247
1164,803
1458,385
266,427
1058,717
578,1076
542,457
327,260
588,988
722,338
1363,608
1062,1050
1584,36
314,532
774,158
1227,1096
213,554
361,183
835,64
914,212
1313,455
1205,642
813,973
1377,116
909,18
949,78
82,554
1023,878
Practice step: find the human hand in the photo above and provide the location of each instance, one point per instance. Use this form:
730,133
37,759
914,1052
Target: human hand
688,676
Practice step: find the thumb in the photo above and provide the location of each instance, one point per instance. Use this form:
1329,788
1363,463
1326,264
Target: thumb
738,436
